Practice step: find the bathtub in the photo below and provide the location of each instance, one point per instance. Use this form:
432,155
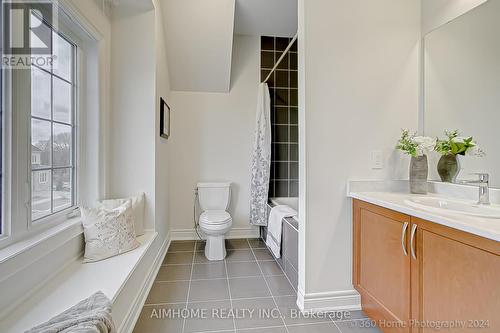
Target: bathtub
289,240
291,202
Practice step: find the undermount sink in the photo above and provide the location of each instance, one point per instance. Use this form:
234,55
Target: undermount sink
455,206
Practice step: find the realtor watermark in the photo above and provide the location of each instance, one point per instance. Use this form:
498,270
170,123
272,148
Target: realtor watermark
434,325
173,312
166,312
27,33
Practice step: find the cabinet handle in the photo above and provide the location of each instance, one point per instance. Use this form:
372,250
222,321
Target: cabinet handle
403,238
412,241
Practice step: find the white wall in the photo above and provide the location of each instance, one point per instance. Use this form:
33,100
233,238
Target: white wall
212,138
133,121
435,13
462,71
138,158
359,75
161,145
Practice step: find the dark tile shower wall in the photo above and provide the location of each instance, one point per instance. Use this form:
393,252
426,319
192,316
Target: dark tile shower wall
283,88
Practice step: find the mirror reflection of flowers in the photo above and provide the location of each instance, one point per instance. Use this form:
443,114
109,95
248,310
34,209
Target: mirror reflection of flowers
414,145
454,144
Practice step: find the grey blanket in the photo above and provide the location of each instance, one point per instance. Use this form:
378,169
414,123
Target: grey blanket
92,315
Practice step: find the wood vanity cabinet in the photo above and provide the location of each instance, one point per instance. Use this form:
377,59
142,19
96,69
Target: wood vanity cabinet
414,274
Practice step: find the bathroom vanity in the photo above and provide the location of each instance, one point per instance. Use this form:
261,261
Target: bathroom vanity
416,267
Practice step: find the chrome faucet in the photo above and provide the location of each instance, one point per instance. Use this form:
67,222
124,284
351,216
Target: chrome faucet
484,187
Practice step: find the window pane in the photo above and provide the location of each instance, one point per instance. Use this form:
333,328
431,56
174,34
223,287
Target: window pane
42,30
63,62
40,93
40,144
62,145
40,194
62,101
62,189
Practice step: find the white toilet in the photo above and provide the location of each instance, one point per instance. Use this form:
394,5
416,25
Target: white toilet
215,221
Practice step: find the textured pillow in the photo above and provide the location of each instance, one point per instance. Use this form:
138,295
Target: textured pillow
137,207
108,232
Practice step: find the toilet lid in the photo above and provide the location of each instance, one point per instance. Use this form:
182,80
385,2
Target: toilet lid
215,217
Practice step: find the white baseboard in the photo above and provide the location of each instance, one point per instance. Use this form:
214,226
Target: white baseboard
343,300
136,307
190,234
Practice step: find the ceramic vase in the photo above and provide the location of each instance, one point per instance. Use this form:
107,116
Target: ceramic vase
448,168
419,171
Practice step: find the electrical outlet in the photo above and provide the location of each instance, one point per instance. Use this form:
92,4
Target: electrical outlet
377,159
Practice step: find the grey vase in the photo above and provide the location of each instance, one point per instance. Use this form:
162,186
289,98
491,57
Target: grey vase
419,171
448,168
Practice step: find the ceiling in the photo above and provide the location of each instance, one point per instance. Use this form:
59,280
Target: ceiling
199,35
266,17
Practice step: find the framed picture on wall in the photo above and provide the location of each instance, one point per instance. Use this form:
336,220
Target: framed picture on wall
164,119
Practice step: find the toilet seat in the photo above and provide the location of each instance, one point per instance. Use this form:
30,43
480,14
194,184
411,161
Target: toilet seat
215,218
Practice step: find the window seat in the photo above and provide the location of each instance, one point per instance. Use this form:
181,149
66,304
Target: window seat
76,282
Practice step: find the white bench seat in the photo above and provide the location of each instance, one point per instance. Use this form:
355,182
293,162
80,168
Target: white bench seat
74,283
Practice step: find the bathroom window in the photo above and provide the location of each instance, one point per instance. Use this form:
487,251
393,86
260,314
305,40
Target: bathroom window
53,130
44,132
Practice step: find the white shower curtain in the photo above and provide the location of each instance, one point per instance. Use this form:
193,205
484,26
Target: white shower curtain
261,159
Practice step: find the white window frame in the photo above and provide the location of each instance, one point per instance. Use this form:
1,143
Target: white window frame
63,33
17,223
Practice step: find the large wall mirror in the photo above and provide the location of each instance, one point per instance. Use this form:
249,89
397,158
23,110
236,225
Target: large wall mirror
462,87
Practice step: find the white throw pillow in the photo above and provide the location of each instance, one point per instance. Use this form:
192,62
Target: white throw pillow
137,207
108,232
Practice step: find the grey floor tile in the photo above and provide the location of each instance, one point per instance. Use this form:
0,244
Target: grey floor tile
263,254
178,258
280,286
209,316
154,319
234,244
293,316
270,268
358,326
168,292
350,315
174,273
257,243
264,330
239,255
200,245
199,258
181,246
243,269
258,312
314,328
216,270
208,290
248,287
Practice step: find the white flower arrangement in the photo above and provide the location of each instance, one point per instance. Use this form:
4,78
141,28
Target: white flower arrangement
415,146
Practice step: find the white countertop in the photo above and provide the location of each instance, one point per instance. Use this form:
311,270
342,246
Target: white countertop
484,227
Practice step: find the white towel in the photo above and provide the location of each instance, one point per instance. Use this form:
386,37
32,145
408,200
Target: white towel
92,315
274,227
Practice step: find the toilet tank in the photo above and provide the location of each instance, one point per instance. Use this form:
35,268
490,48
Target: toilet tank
214,196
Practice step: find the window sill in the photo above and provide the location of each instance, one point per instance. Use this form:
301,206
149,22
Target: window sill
54,236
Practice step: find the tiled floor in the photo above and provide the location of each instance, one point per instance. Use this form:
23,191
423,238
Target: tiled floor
247,292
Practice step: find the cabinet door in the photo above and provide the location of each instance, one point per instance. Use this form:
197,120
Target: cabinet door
455,280
381,270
